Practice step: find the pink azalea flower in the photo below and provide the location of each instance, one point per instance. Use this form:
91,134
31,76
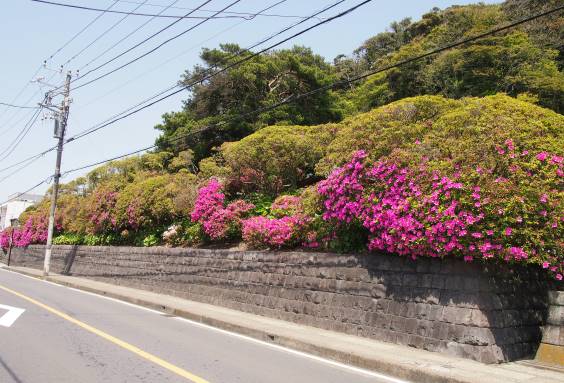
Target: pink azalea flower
545,265
542,156
544,198
559,277
508,231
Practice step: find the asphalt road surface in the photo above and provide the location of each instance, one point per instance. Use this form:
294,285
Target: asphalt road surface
65,335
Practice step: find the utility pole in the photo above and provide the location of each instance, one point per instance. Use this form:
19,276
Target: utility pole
60,122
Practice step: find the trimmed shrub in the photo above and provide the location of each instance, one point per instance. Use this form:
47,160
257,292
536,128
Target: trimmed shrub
277,158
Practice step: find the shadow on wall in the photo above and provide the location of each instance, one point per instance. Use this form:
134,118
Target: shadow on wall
481,312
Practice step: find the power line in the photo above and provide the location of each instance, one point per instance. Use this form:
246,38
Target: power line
18,139
250,15
54,54
102,34
104,123
329,86
103,12
46,180
6,108
334,84
236,63
136,45
18,169
30,158
176,84
341,82
18,106
126,36
228,15
155,48
141,14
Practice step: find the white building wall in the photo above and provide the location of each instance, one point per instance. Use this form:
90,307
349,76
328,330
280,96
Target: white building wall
11,210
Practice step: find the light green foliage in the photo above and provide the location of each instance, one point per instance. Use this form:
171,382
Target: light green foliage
468,135
146,202
68,239
184,161
460,131
278,157
193,235
383,129
213,166
151,240
155,162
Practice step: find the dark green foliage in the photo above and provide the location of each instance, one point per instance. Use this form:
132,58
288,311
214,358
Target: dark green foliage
255,84
512,62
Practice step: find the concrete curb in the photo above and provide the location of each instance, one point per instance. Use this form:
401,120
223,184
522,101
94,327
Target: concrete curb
396,361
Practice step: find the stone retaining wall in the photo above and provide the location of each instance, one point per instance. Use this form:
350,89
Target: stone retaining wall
468,310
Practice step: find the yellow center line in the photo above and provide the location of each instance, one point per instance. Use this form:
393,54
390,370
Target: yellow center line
143,354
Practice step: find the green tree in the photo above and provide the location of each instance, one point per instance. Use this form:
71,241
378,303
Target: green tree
256,84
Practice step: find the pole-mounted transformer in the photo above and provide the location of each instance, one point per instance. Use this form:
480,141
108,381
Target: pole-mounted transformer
57,131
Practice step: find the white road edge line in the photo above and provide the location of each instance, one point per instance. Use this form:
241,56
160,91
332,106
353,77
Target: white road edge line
233,334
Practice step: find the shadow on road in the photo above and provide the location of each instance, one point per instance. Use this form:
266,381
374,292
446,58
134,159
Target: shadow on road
10,372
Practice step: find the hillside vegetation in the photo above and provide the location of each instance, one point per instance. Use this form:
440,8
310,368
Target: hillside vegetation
458,155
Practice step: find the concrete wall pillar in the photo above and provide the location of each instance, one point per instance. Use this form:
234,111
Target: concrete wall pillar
551,349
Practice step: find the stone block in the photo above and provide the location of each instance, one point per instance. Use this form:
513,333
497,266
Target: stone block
436,313
450,314
411,325
477,336
438,281
398,324
379,320
479,318
556,298
410,280
380,305
490,355
416,341
422,311
553,335
555,315
378,291
456,333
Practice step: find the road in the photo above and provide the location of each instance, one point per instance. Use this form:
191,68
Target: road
66,335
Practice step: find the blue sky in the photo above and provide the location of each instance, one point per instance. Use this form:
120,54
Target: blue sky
31,32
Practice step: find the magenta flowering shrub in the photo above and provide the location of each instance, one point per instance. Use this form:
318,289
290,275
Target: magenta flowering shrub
101,211
34,231
263,232
5,239
219,221
490,213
